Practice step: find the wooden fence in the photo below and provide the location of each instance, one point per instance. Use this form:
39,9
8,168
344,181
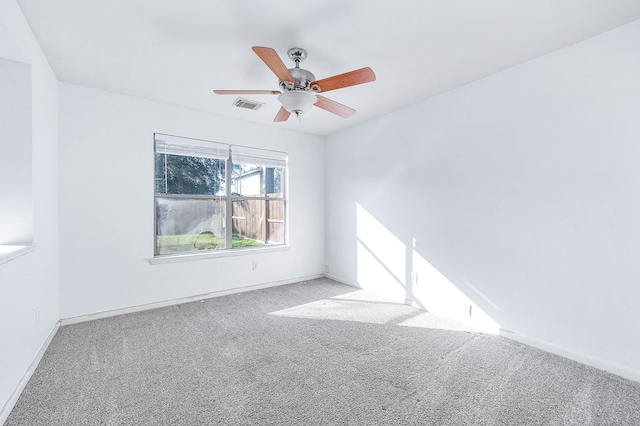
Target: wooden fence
261,220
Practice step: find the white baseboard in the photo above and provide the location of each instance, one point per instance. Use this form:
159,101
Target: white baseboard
13,399
155,305
619,370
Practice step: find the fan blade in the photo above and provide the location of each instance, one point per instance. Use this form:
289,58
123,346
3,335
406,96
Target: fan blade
273,61
353,78
334,107
282,115
247,92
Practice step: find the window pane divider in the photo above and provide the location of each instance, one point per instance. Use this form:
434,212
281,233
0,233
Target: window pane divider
234,198
228,234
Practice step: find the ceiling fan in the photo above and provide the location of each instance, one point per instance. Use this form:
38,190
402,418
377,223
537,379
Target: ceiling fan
299,87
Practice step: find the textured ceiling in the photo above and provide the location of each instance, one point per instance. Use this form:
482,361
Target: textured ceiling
179,51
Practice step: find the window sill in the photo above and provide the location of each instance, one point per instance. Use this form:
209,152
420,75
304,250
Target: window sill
10,252
188,257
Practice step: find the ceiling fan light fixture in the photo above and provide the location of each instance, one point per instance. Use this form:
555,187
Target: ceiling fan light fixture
297,101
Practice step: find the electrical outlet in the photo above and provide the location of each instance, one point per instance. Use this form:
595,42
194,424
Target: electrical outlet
468,309
326,269
254,265
414,278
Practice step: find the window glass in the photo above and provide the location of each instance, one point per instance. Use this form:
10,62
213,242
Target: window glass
252,180
181,174
257,222
189,224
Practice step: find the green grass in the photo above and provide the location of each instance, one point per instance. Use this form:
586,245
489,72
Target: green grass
168,244
244,242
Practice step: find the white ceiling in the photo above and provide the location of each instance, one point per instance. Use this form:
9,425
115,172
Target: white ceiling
178,51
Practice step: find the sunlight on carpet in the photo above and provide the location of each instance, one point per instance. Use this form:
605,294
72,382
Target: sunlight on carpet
361,306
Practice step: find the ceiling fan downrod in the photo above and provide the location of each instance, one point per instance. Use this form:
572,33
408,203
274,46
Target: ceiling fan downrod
297,54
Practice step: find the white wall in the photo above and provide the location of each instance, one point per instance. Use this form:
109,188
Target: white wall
517,194
29,284
107,207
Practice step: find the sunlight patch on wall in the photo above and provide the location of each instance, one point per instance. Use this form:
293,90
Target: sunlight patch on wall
440,296
381,258
388,267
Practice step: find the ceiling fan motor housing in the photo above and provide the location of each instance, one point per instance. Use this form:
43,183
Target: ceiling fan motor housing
303,80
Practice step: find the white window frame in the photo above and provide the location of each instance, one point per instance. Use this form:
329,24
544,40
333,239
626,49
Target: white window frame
178,145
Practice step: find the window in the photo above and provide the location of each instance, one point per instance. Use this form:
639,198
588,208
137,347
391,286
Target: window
16,196
211,196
